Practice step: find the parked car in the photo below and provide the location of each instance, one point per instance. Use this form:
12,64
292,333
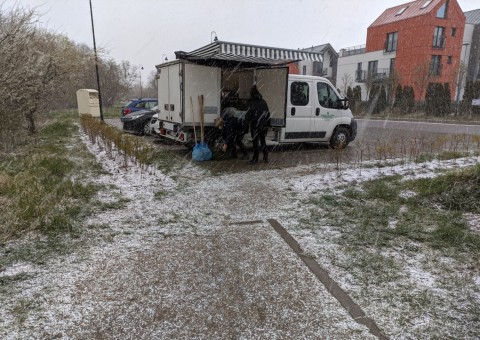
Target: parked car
139,104
139,121
154,125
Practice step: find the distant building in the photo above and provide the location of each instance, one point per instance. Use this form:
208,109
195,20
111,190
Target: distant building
471,45
410,44
327,68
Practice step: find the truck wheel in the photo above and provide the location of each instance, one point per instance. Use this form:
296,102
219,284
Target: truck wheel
340,138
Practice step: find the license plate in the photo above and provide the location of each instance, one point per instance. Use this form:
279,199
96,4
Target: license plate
168,126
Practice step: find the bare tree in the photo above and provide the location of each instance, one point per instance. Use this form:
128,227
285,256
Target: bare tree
26,69
129,74
391,83
42,71
461,77
422,76
347,82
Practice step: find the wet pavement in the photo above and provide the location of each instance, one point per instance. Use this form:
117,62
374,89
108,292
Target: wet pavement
376,140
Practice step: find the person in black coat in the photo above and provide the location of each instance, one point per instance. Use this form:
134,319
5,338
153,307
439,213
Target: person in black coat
257,119
233,132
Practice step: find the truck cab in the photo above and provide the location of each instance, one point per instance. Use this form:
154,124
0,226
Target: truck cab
316,113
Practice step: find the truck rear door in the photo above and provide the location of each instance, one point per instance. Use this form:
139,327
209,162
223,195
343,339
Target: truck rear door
206,81
272,84
169,93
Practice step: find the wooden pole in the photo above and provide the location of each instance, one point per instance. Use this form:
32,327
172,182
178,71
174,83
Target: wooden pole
193,115
202,116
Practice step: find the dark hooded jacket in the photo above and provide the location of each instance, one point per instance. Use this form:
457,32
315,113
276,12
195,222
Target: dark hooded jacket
258,115
233,127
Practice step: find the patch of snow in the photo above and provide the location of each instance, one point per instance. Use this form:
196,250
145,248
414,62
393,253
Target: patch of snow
407,194
421,277
16,269
473,221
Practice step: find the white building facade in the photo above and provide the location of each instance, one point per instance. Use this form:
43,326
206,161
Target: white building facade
355,67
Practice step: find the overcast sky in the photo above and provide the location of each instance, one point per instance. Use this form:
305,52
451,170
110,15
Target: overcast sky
141,31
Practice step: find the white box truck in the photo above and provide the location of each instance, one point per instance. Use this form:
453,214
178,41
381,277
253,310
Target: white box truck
302,108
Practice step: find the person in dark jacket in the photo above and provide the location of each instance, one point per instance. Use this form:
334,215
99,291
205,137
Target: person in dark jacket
233,131
257,119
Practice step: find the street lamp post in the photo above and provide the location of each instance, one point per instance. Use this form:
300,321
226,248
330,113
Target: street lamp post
141,91
215,38
96,65
462,72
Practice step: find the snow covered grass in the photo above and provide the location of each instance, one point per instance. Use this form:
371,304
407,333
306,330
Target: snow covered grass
411,259
39,186
164,254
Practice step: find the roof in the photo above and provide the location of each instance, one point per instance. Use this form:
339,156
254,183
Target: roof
473,17
321,49
223,51
405,11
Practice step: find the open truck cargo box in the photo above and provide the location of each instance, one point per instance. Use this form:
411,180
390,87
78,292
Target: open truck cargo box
223,72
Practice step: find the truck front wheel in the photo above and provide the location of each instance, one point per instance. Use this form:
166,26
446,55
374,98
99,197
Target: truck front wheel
340,138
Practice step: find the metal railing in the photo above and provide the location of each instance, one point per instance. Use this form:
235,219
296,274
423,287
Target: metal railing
380,74
360,49
390,48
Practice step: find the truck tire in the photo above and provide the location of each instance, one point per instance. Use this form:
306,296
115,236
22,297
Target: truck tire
340,138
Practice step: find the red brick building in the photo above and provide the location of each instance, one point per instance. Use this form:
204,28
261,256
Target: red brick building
425,40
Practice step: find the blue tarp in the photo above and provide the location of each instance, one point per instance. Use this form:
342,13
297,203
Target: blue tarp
201,152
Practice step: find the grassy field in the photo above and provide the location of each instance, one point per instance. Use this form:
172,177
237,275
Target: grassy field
45,187
411,243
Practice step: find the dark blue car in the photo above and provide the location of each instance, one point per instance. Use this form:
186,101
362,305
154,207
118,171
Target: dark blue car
139,104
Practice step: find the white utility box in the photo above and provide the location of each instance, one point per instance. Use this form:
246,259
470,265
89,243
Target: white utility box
88,102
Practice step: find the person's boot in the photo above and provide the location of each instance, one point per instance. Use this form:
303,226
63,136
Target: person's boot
265,158
253,161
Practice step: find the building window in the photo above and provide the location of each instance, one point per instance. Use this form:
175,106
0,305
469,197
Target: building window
373,68
442,11
454,31
439,37
436,65
391,43
359,77
304,70
449,59
400,12
426,3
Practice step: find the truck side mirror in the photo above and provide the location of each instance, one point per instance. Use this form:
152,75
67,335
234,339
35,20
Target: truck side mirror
343,103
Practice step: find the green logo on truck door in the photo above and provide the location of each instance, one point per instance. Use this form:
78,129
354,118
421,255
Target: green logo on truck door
327,116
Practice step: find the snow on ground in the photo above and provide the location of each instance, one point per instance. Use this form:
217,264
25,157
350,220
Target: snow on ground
180,263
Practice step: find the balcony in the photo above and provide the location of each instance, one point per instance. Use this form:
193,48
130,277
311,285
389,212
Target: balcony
438,41
389,47
327,72
377,75
346,52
